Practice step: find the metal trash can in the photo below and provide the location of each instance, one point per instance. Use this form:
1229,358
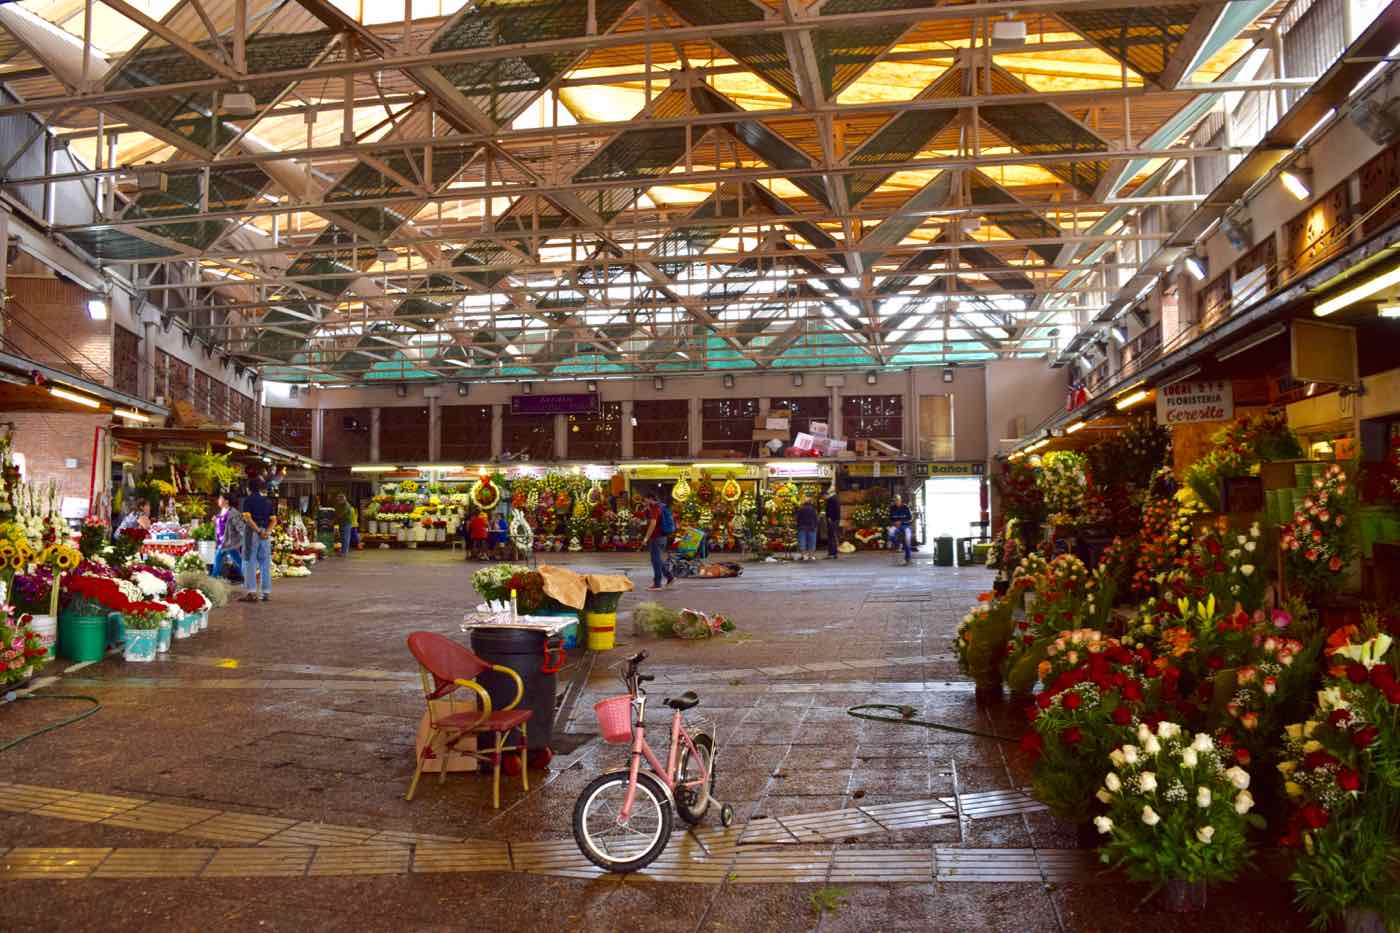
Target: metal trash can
943,551
523,651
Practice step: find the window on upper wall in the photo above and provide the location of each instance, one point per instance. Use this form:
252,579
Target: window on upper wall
219,403
874,416
596,436
804,410
126,361
727,424
203,391
162,376
663,429
291,428
181,380
532,434
466,433
345,435
403,435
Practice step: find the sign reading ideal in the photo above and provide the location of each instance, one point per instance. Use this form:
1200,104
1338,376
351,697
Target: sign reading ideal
1195,402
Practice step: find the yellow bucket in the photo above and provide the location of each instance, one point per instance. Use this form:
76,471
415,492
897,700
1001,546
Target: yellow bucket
602,630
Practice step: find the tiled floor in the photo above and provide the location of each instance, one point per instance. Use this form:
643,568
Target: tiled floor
255,779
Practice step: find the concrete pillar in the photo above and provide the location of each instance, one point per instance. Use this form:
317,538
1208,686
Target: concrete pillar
697,428
318,432
561,437
434,429
4,263
911,440
834,421
148,360
627,429
374,435
497,431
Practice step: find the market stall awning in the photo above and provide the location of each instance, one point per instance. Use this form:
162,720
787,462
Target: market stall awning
240,445
26,385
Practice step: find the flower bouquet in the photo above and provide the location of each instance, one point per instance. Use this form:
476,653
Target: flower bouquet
142,621
1318,542
1340,778
1178,813
981,641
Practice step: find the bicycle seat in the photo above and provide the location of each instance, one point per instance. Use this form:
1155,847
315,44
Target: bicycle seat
683,702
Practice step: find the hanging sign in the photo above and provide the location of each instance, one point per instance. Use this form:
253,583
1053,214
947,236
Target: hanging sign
949,469
580,403
1196,402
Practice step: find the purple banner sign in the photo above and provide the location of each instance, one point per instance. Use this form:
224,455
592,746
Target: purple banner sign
576,404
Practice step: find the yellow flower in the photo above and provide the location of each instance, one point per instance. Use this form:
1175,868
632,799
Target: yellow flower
1292,789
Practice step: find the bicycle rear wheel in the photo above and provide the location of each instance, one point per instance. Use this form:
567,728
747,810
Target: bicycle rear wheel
693,802
611,844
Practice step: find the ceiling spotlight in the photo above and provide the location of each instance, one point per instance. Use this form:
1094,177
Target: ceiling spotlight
797,379
527,387
1008,32
463,389
728,381
150,180
97,309
1296,184
1196,266
239,104
947,375
401,390
872,377
658,383
592,386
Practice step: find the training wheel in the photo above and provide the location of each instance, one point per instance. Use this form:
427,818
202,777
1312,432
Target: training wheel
726,815
540,758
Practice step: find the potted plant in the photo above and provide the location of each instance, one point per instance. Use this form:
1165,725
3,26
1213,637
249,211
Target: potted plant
142,621
1178,814
193,605
981,643
203,534
20,649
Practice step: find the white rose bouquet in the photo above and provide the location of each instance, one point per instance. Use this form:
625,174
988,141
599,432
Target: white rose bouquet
1178,809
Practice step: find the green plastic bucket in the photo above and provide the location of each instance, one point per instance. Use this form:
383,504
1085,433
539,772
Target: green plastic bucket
82,638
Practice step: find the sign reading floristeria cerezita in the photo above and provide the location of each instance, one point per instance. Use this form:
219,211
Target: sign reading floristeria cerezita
1195,402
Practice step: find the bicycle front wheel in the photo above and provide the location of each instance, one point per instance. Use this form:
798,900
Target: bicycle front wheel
609,842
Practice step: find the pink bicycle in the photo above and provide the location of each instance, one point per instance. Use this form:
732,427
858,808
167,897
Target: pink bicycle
622,820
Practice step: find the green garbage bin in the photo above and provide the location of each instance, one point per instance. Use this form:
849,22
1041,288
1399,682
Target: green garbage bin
943,551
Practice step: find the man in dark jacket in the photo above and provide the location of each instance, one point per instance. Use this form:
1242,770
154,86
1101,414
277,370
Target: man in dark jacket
833,525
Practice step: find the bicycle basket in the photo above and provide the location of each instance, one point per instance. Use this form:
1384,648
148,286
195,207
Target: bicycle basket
615,719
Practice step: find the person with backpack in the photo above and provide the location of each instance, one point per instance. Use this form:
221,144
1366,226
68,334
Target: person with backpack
660,526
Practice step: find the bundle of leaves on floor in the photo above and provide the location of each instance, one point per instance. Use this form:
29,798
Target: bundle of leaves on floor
214,589
660,621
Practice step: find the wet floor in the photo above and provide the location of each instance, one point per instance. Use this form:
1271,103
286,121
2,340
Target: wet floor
256,778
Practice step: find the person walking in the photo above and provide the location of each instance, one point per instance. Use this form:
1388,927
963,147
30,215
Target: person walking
349,519
807,530
833,525
261,516
228,537
660,525
477,529
902,526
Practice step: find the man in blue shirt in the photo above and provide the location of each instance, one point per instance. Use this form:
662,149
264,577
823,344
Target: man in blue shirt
261,515
902,526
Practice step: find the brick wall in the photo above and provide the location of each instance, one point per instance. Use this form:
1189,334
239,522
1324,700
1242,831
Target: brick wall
49,323
46,439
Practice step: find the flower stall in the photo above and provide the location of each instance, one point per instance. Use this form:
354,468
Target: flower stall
1191,694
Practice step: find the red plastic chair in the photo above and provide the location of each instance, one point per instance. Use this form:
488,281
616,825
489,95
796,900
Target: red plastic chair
445,667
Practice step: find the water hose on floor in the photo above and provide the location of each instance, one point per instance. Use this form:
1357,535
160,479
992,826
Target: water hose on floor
15,698
906,718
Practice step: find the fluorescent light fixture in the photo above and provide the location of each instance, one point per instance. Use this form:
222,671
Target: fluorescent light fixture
1358,293
1196,267
1128,401
718,466
239,104
1044,441
1119,334
644,466
373,469
513,350
1391,310
1077,426
87,400
1249,343
130,414
236,445
1295,184
462,363
97,309
1016,455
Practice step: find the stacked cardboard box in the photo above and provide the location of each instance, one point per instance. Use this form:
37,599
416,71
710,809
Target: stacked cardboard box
774,424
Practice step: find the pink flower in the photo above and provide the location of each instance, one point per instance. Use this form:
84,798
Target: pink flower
1324,515
1282,619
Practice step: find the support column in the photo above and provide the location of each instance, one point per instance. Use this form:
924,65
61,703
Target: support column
318,433
833,421
627,429
911,443
148,361
434,429
561,437
697,428
374,435
498,430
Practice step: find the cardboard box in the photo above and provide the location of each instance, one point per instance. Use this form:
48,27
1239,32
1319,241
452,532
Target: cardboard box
777,424
861,446
877,446
820,428
455,761
771,435
832,447
804,441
